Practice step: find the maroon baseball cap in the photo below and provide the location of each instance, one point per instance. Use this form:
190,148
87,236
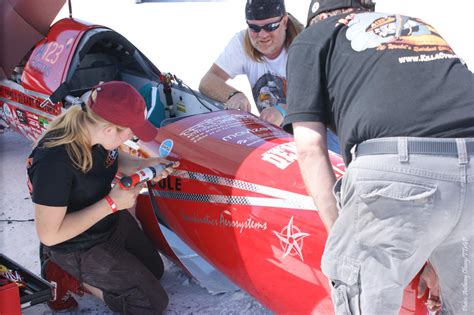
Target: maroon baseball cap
120,103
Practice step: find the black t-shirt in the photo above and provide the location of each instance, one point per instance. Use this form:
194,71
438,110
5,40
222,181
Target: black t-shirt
55,181
373,75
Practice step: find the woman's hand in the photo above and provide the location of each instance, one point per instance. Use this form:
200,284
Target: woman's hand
129,164
125,199
166,171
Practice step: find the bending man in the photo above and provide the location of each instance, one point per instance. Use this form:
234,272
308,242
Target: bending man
402,104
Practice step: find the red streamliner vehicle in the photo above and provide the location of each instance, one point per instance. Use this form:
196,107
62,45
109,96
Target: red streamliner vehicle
235,213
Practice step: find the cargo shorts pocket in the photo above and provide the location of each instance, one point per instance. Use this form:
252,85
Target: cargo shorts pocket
343,274
391,216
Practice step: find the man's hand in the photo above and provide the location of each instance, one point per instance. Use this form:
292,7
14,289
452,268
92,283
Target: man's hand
239,101
429,279
272,115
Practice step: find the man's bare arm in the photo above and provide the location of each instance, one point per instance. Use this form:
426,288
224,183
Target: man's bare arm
315,166
214,86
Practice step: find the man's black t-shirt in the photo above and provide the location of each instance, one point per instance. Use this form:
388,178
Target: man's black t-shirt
373,75
55,181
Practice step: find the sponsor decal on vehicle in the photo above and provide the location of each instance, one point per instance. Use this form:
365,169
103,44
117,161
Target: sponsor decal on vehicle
225,220
27,99
21,115
291,240
224,127
166,147
181,107
170,183
281,156
277,198
7,113
43,122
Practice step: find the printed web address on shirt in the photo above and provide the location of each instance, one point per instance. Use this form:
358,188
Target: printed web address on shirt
426,58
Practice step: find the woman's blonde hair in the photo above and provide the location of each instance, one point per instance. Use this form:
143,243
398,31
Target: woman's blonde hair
294,27
70,129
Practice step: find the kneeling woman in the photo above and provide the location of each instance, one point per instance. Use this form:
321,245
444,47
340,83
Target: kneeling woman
83,222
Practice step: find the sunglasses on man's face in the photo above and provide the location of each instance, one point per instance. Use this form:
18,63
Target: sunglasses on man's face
270,27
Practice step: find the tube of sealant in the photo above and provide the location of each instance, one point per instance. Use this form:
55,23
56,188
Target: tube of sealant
143,175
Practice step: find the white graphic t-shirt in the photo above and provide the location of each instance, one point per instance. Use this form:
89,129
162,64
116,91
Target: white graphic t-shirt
267,78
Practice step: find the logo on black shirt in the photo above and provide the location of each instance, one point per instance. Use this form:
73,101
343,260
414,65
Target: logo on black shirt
381,31
111,157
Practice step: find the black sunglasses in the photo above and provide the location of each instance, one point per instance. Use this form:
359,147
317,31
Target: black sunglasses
270,27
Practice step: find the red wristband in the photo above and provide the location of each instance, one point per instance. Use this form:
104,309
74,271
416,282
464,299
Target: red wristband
111,203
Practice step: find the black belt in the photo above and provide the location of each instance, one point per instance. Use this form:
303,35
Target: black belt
427,146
